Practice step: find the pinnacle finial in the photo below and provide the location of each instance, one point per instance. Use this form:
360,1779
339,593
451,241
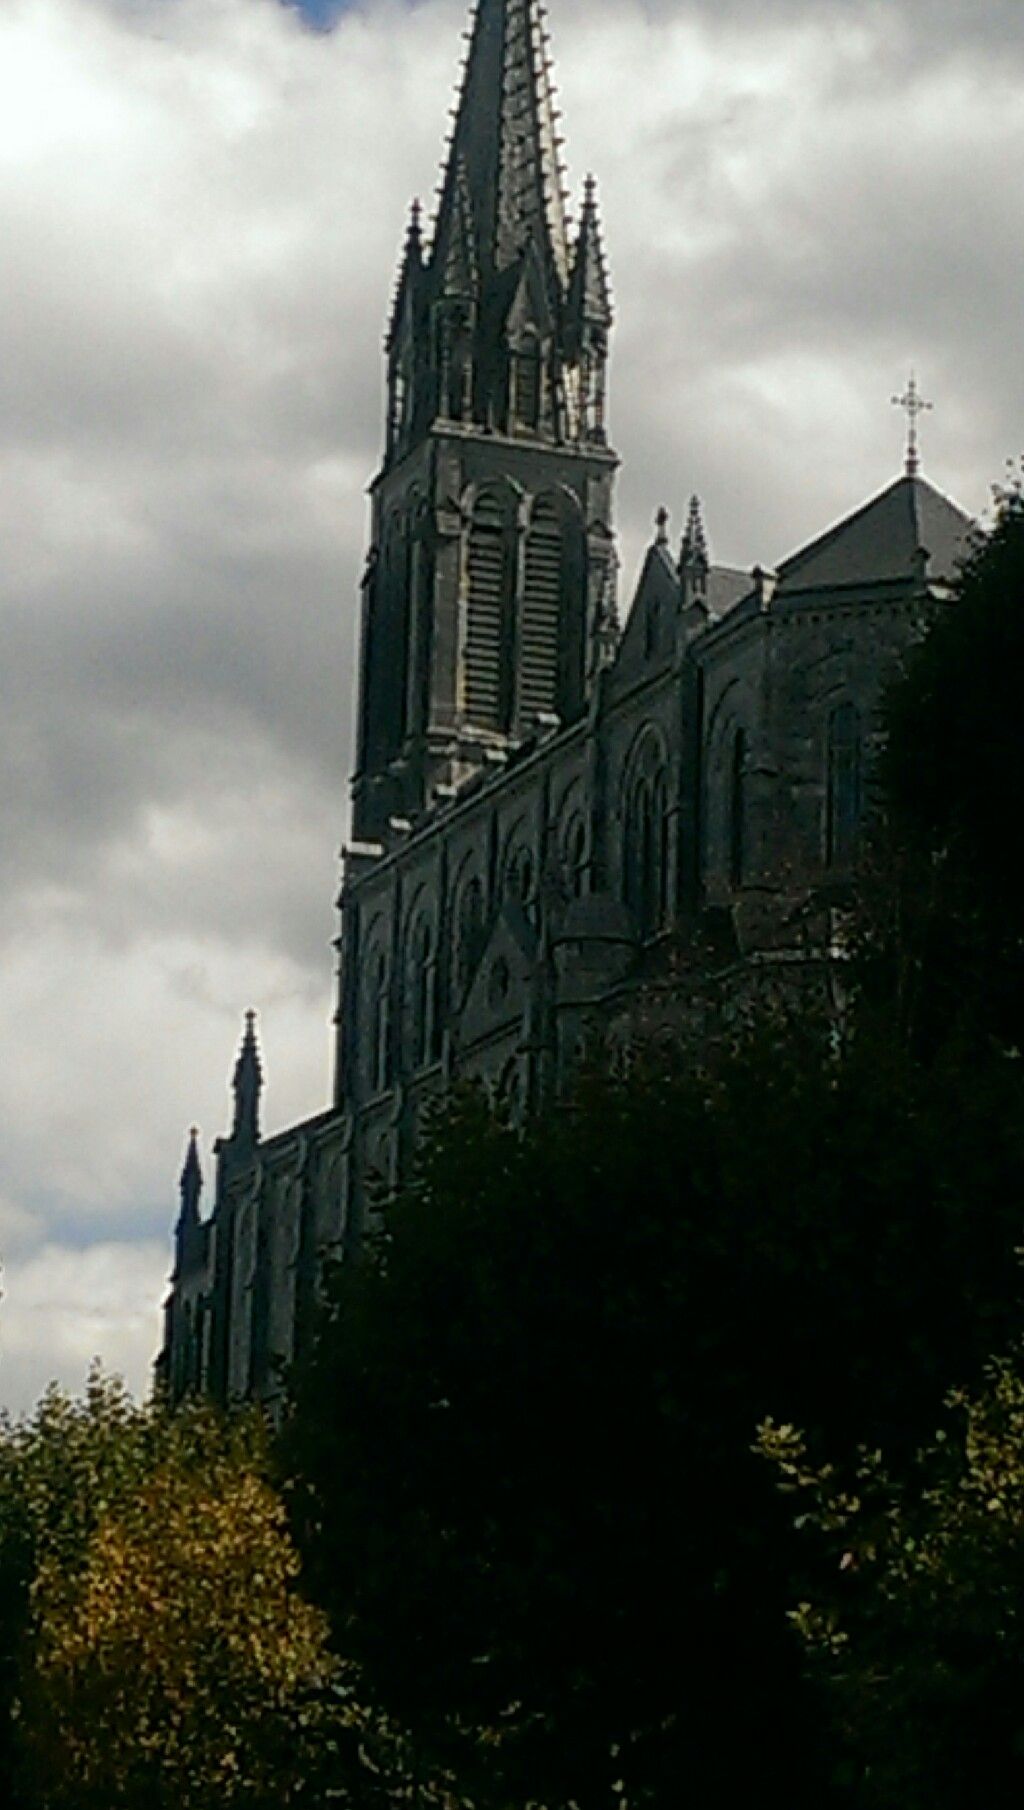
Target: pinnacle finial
248,1085
913,405
191,1182
693,557
661,521
694,549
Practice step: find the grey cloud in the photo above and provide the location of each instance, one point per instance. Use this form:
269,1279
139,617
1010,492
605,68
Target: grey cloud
199,250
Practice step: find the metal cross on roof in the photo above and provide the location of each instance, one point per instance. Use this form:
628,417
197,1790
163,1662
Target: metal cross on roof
913,405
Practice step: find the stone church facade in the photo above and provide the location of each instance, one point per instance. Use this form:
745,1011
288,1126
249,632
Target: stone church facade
554,819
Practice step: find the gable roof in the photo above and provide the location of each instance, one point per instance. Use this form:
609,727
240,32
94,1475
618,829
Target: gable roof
883,540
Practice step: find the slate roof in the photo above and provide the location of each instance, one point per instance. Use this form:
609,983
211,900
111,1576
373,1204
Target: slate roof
883,540
727,586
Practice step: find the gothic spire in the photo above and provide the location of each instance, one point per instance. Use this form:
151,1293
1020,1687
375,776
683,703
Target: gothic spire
191,1183
247,1085
590,292
504,153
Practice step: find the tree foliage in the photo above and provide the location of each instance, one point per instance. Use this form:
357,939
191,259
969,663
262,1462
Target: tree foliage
917,1632
948,933
160,1650
528,1498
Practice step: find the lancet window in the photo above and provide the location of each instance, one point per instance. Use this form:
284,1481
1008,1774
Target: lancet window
469,933
527,385
843,785
393,643
737,817
646,826
378,1026
420,971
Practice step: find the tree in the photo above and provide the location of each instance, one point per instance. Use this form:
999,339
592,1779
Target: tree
525,1491
917,1633
162,1653
949,931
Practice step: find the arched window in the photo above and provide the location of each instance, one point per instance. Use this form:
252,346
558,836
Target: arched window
520,876
420,998
646,840
378,1027
657,873
843,785
469,934
453,360
393,650
552,628
489,652
737,816
421,623
527,378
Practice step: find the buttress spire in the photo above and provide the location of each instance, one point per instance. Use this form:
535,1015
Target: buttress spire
693,556
590,292
191,1182
695,541
505,144
247,1085
409,271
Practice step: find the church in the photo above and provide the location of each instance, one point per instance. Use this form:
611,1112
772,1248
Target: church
562,827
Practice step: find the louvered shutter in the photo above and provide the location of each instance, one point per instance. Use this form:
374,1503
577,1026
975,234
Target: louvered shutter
485,653
541,616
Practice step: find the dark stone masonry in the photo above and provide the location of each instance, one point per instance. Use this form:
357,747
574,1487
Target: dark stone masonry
558,824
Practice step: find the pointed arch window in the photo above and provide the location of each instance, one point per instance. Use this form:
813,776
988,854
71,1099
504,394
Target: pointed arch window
393,643
737,817
646,851
420,983
453,359
420,621
520,876
527,384
489,640
469,934
378,1024
843,785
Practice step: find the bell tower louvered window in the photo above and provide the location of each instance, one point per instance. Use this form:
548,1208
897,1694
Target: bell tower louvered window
541,616
489,640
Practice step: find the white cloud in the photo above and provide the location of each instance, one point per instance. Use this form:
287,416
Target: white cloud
65,1307
201,204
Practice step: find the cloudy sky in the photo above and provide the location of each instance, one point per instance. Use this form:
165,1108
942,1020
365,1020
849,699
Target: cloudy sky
201,203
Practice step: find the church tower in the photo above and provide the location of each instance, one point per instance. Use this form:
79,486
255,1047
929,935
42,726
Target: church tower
489,592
